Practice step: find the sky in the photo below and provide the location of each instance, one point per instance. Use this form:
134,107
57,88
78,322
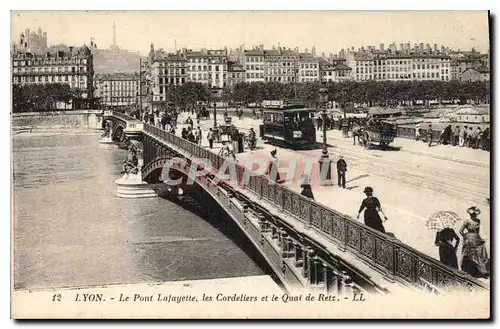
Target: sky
328,31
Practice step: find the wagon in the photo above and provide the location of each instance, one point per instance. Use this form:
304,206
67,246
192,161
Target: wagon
382,133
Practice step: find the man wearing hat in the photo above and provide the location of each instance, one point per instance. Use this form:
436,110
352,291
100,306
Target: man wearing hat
341,169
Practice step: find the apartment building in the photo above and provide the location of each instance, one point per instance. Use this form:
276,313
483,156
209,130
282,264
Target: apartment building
308,68
254,62
235,74
171,69
74,68
402,67
118,89
217,68
281,65
198,63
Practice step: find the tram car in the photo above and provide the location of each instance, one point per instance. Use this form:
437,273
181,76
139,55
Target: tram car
289,127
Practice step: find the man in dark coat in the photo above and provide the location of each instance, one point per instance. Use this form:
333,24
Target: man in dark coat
429,135
341,169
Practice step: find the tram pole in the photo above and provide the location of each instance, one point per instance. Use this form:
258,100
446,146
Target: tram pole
325,176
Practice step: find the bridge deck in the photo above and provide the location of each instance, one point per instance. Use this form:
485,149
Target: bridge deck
411,183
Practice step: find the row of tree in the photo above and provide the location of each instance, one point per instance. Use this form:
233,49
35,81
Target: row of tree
40,97
372,93
35,97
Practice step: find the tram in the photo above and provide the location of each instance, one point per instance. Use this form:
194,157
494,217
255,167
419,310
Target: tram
289,126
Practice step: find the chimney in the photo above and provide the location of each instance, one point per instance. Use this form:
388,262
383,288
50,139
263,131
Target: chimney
401,47
71,49
421,47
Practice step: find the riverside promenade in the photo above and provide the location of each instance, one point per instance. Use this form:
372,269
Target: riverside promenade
411,180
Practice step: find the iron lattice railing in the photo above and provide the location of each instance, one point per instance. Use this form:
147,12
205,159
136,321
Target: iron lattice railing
389,256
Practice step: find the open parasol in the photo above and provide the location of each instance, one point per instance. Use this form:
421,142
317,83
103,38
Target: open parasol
441,220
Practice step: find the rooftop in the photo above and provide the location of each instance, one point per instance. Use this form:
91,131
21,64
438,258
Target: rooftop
467,110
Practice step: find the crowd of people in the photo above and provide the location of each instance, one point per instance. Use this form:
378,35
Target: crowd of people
465,136
475,260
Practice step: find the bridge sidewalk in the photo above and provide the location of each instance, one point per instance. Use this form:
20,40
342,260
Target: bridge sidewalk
445,152
407,206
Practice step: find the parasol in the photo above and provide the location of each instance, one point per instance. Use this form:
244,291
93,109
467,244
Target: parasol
441,220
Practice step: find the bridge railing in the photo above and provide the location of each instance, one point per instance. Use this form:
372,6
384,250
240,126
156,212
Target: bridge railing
396,260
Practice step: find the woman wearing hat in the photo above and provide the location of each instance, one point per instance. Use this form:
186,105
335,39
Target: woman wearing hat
475,259
372,205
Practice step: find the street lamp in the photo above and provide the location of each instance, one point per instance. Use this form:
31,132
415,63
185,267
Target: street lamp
345,131
215,129
325,177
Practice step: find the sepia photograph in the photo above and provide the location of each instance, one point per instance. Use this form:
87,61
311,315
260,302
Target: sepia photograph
250,164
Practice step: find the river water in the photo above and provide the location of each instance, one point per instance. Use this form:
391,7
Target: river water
70,229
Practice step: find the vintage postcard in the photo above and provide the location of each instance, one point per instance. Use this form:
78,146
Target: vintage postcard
248,165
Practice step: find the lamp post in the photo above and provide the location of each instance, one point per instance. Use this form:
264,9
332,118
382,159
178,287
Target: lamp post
215,129
325,177
345,131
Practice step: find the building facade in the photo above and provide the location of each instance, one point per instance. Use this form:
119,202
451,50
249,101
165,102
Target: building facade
473,74
235,73
254,62
217,68
337,73
169,70
402,67
198,67
74,68
308,68
117,90
281,65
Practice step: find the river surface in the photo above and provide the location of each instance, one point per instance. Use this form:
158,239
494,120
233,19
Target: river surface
70,229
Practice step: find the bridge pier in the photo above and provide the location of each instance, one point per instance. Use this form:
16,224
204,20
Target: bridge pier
131,185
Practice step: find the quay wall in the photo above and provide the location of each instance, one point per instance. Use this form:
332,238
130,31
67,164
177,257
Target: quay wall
81,119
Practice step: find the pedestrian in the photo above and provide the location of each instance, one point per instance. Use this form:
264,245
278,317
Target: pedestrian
184,133
210,137
373,207
189,121
486,139
304,180
466,136
341,169
429,134
479,139
274,164
475,259
461,137
417,132
163,121
307,191
456,135
198,136
470,137
448,251
473,137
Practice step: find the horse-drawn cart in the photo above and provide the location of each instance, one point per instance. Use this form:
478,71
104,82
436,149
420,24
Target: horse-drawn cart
382,133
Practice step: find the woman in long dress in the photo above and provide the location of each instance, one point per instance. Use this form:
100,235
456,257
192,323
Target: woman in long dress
372,206
475,259
448,251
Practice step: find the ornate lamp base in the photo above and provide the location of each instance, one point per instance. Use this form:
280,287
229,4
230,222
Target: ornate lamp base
325,175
